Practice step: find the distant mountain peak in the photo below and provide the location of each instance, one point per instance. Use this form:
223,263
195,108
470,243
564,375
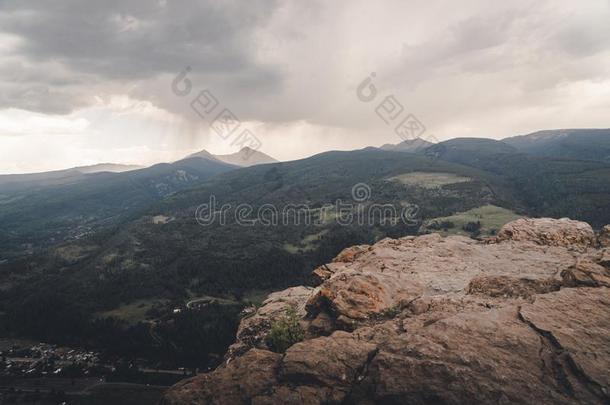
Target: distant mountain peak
409,145
202,154
246,156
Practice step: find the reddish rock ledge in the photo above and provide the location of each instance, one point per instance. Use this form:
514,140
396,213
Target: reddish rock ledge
523,318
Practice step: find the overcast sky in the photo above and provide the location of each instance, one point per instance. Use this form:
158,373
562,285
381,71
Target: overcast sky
83,82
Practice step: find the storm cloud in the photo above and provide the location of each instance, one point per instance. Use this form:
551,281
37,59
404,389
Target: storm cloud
64,48
291,68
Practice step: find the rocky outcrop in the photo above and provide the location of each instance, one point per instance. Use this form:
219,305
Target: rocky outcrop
550,232
248,376
254,326
523,318
586,273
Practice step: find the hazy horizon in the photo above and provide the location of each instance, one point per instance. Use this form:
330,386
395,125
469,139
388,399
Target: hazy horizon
187,153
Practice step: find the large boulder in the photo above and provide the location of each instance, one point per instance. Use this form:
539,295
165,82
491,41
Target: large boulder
521,319
333,363
385,278
238,382
550,232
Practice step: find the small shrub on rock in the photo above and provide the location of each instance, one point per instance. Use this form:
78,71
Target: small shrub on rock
285,332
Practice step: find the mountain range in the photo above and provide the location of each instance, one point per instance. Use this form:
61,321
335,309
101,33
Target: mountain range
592,144
101,242
243,158
57,177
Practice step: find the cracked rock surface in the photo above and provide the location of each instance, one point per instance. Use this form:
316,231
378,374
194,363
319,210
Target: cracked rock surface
523,318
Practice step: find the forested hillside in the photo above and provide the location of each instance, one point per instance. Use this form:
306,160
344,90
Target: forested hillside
119,283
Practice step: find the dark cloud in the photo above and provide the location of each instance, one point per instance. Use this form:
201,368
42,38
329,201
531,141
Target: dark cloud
114,42
289,61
